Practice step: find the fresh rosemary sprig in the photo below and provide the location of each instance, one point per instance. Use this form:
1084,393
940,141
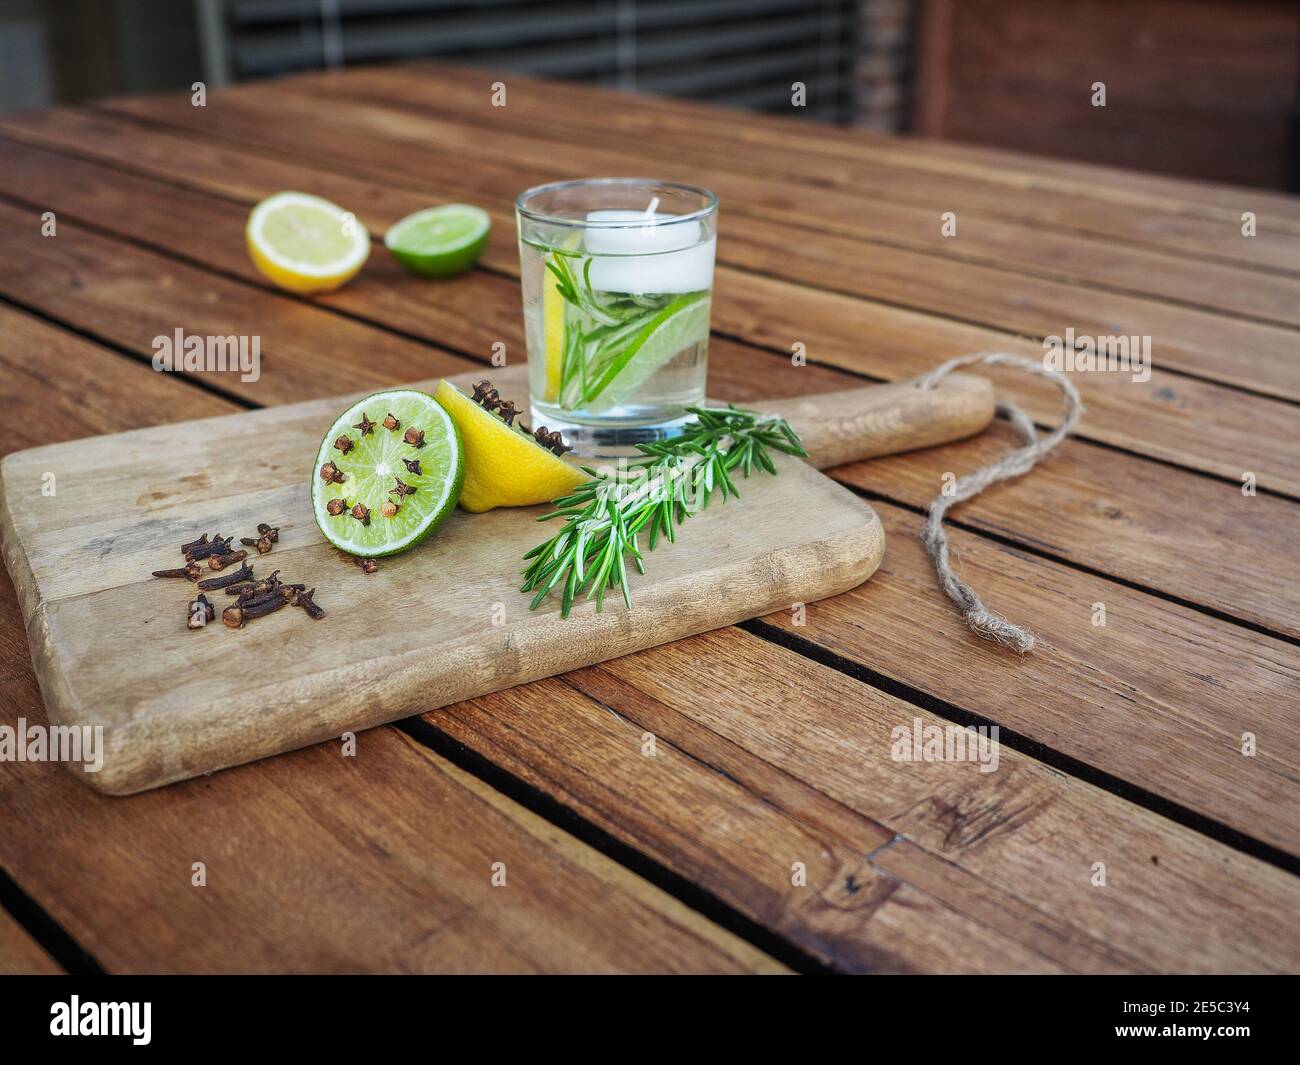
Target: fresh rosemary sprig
676,479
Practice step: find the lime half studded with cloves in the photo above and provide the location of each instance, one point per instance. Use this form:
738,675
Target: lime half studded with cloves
387,473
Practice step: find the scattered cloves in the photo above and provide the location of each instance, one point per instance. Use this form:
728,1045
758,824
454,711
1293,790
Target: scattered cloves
190,572
200,612
366,565
263,544
271,532
365,425
220,562
212,584
331,474
391,423
414,437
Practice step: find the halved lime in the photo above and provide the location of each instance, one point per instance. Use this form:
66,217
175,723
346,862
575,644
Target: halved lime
419,476
440,241
678,326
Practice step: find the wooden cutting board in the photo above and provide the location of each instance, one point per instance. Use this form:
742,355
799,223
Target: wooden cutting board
441,623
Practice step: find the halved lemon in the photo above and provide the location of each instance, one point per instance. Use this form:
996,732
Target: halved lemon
504,466
304,243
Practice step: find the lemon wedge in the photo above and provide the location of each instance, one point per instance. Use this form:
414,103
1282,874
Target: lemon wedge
304,243
504,466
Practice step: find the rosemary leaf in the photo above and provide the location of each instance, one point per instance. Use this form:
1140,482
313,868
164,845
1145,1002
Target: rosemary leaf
676,479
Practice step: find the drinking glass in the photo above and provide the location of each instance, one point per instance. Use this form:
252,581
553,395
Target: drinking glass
617,278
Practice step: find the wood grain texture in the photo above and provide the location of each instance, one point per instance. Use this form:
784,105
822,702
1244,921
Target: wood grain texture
188,708
1160,696
382,862
20,954
1171,416
748,735
903,342
938,176
378,863
761,752
850,210
413,147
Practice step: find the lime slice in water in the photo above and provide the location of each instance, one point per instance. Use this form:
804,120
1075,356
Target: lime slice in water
373,459
440,241
681,324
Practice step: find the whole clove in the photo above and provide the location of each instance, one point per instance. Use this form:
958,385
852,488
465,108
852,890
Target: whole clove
337,506
402,490
187,548
331,474
271,532
507,411
190,572
236,617
553,441
212,584
481,390
389,509
414,437
220,562
263,544
216,546
305,600
344,443
412,465
246,589
366,565
365,425
200,612
362,513
391,423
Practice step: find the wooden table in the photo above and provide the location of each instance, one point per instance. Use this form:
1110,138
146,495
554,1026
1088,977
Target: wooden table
771,829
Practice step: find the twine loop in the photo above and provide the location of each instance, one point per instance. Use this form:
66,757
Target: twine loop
982,621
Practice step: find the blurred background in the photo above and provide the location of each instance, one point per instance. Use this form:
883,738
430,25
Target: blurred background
1200,88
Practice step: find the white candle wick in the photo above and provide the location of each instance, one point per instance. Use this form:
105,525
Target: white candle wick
654,206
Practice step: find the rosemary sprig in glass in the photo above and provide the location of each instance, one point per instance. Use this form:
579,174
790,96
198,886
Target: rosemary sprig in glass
677,478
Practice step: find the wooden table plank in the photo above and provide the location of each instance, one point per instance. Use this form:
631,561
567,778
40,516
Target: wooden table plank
1108,513
1171,417
144,209
729,705
20,954
1184,338
110,289
1192,686
1018,181
311,824
843,211
762,752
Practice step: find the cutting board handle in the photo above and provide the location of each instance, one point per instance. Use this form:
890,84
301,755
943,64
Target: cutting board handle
863,423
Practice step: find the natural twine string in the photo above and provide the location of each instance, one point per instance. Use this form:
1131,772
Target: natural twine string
982,620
